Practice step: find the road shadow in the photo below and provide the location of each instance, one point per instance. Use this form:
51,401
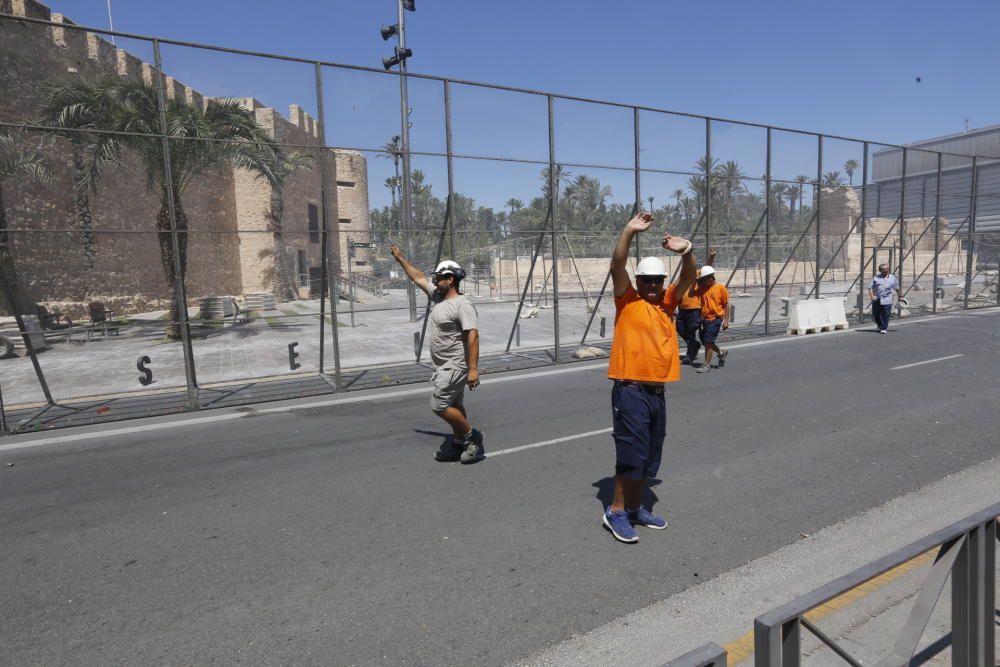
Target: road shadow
606,492
447,437
931,650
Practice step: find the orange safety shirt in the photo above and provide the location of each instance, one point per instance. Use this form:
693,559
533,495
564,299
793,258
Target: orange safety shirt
644,348
691,299
714,302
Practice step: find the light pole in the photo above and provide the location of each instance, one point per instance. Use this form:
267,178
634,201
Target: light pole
399,58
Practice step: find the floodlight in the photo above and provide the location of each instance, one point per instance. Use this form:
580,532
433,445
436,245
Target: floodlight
410,5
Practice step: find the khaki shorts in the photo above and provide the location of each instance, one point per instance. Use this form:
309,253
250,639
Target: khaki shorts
448,385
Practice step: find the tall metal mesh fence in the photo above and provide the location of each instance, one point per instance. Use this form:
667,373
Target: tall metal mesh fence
186,225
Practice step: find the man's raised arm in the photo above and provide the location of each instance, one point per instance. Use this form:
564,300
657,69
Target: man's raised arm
619,258
412,272
689,270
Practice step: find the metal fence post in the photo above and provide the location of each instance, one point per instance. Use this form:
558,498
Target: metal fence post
180,293
448,223
819,210
778,645
637,174
968,233
708,187
863,223
767,237
3,415
554,184
902,232
971,619
937,235
325,282
989,590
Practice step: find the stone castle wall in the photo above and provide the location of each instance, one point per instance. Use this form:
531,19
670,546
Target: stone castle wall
231,247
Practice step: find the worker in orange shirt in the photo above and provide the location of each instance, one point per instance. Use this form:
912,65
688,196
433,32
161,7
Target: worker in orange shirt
689,318
644,357
714,315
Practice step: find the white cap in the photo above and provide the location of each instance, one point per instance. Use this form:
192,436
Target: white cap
651,266
447,266
706,271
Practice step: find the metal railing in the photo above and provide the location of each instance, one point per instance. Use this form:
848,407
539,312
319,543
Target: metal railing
966,553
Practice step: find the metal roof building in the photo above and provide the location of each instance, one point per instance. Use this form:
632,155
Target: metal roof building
886,190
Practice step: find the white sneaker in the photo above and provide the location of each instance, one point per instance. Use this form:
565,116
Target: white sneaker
881,331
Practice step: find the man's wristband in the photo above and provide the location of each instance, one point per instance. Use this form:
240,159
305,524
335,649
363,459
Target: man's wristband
688,249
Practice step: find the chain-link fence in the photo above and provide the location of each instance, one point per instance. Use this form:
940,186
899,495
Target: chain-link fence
185,225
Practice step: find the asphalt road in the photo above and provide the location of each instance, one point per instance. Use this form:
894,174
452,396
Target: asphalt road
328,535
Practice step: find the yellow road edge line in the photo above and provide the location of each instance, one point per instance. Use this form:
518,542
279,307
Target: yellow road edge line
740,649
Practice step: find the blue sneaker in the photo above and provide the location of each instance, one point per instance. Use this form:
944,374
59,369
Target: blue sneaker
618,525
643,517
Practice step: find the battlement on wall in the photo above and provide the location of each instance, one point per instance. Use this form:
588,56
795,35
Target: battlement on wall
82,45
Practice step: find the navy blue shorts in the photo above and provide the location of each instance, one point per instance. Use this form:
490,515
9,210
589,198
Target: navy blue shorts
710,331
639,416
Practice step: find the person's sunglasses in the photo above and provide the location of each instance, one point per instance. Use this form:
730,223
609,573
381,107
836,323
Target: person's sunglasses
656,280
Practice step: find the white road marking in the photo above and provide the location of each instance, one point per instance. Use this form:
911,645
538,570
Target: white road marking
544,443
929,361
229,416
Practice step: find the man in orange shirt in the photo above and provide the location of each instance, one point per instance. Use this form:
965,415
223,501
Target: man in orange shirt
714,315
644,356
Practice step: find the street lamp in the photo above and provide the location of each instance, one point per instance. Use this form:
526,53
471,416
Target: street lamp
399,57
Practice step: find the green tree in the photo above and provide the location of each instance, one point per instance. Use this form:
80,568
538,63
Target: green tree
562,178
125,116
801,180
832,179
74,111
730,177
15,161
587,200
850,167
393,150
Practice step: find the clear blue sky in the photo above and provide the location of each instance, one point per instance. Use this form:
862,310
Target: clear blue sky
846,68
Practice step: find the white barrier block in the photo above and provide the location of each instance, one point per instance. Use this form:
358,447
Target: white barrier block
814,315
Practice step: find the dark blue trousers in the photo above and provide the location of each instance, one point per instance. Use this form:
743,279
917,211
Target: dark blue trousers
881,313
688,323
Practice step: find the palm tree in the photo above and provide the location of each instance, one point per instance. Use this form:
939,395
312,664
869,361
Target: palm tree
778,192
801,179
14,161
731,179
393,150
696,185
832,179
587,198
68,108
677,194
850,167
126,115
562,178
282,170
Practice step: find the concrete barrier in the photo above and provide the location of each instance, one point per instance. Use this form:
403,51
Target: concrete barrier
814,315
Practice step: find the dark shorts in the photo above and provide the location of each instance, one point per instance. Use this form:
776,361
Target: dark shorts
639,416
710,331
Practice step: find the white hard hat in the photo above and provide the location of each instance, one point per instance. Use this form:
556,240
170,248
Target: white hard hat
651,266
706,271
448,266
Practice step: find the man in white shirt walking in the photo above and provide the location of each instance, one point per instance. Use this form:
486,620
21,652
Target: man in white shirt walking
880,291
